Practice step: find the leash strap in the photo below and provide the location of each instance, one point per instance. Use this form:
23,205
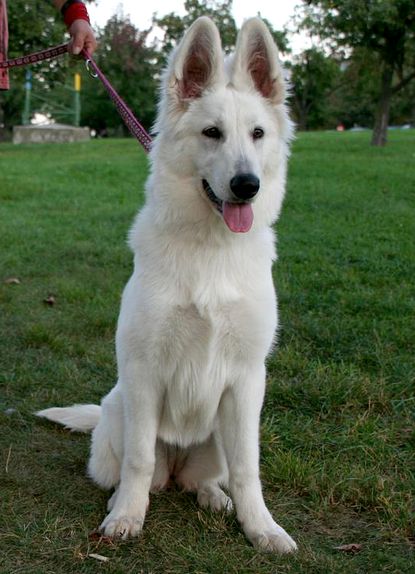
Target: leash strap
35,57
132,123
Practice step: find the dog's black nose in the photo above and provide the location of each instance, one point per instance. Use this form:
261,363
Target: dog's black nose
245,186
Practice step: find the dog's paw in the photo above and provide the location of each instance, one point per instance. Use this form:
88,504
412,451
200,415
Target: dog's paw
273,540
215,499
122,526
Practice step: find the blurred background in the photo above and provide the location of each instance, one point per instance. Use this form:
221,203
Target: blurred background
351,64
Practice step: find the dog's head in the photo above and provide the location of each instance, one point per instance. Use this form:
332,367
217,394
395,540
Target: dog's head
225,125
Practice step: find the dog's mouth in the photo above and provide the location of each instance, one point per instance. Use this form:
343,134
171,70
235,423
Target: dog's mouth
218,203
238,216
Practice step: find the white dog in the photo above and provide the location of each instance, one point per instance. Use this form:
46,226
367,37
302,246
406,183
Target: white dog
199,314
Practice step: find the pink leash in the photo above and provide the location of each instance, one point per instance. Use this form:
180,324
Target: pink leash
132,123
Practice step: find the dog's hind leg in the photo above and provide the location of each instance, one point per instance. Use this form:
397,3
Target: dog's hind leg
210,495
203,472
107,442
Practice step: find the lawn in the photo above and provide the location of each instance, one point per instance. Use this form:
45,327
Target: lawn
337,428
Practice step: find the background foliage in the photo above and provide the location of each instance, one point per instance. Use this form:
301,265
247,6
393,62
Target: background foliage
359,69
384,28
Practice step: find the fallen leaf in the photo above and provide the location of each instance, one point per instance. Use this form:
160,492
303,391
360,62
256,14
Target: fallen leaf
353,548
12,281
50,300
99,557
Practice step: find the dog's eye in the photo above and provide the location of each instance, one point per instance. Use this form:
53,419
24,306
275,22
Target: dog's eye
258,133
213,133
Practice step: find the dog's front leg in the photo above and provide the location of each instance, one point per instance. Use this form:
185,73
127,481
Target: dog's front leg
239,423
141,409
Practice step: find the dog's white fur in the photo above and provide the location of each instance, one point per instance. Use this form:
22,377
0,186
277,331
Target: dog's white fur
198,315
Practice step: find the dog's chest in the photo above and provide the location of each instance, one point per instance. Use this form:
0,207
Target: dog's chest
199,352
203,318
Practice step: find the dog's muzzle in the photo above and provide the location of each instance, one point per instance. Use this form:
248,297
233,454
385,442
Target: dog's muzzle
244,186
237,213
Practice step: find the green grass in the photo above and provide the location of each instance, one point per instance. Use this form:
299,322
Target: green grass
337,429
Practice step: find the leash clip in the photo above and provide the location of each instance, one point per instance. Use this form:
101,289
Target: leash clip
88,68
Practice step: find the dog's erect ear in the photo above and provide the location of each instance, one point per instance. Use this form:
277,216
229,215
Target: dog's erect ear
256,60
197,63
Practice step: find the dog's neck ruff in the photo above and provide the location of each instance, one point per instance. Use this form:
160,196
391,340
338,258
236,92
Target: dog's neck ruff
237,216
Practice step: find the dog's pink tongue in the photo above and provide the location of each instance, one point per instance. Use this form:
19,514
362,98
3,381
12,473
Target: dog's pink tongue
238,216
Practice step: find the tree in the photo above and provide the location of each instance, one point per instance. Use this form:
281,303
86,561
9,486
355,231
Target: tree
383,27
131,64
313,78
29,34
174,26
33,25
351,102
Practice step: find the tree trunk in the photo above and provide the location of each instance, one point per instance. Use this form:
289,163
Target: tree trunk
380,129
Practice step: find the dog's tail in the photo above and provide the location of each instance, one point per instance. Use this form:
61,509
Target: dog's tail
81,418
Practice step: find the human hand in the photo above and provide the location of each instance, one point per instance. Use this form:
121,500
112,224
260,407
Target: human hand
82,37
